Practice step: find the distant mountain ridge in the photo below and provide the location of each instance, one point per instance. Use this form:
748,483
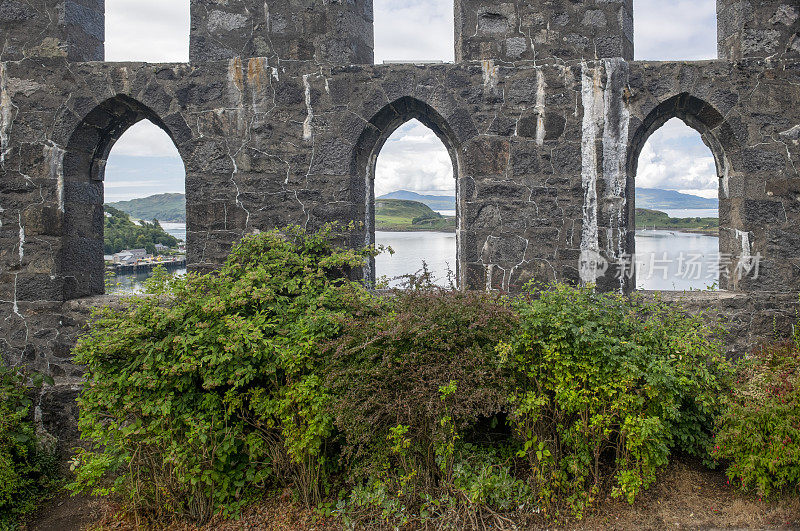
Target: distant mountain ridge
169,208
650,198
654,198
435,202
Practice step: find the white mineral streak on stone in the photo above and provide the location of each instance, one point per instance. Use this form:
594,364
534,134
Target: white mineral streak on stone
7,109
744,237
489,75
592,97
275,74
15,306
307,129
616,120
726,180
54,158
540,105
792,134
21,240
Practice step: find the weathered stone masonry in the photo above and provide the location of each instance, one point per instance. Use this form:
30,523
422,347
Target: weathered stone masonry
280,115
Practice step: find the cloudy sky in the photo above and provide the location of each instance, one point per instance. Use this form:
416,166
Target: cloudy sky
144,161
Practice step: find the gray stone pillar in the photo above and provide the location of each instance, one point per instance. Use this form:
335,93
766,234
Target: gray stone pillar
74,29
543,31
758,29
335,32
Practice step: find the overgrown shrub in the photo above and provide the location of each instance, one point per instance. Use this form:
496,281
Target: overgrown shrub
759,434
607,387
463,403
409,385
27,464
466,408
213,385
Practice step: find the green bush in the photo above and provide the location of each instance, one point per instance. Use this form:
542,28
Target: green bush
408,386
607,387
27,464
425,404
759,434
211,387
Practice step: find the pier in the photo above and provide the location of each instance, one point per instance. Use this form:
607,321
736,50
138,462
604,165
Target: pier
146,267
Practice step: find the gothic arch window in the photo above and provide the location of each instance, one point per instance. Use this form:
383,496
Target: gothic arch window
154,31
83,190
677,212
402,123
719,139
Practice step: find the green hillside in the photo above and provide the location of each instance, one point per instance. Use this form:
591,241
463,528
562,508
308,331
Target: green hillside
122,233
436,202
401,215
660,220
169,208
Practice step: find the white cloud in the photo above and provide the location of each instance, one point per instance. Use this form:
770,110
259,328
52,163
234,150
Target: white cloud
675,158
147,30
145,139
414,159
675,29
408,30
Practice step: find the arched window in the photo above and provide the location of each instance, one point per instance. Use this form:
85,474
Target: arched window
153,31
677,212
678,30
82,185
415,206
415,158
414,31
145,200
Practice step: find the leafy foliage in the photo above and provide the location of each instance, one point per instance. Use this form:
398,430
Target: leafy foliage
121,233
27,465
425,404
760,431
193,400
606,388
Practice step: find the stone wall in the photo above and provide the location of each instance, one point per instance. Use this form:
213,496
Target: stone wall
764,28
544,152
551,31
331,32
74,29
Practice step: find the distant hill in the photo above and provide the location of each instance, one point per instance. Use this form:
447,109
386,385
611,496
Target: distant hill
653,198
169,208
435,202
646,219
402,215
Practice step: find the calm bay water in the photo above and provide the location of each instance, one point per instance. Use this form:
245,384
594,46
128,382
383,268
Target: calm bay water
676,261
437,249
175,229
666,260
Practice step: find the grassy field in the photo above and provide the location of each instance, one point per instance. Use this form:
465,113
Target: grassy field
647,219
410,216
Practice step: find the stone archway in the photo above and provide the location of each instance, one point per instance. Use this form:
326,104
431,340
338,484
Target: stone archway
717,134
365,156
81,193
